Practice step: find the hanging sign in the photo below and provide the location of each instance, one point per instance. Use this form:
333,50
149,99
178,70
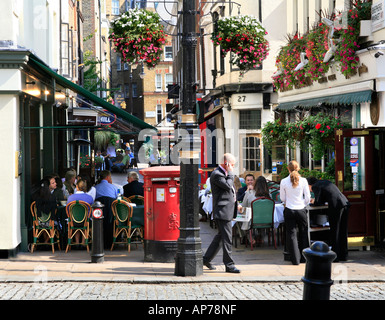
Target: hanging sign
107,118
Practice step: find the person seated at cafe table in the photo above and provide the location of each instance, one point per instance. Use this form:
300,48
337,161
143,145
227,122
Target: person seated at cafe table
133,187
69,183
254,191
81,193
45,201
123,163
58,192
105,188
249,180
106,193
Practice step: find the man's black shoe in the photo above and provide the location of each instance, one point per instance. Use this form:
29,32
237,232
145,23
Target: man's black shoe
209,265
232,270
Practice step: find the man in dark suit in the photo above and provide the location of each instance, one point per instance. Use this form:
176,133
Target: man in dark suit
133,187
338,210
224,200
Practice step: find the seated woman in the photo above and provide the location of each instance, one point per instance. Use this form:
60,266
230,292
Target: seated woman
260,189
69,183
81,193
45,200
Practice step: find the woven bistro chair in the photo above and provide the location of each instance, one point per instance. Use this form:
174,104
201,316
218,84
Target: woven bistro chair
122,225
138,200
44,224
78,213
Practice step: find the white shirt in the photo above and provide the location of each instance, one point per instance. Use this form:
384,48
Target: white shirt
295,198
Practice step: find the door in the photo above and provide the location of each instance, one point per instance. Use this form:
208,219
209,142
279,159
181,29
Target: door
355,178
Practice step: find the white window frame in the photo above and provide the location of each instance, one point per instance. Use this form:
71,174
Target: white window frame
118,63
115,10
158,82
159,107
170,52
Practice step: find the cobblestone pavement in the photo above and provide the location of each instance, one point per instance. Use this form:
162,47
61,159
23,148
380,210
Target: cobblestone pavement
182,291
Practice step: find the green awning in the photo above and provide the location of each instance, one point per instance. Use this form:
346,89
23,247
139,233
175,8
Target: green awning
85,93
339,99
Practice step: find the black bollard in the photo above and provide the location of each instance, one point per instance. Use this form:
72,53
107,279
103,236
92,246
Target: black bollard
317,280
97,252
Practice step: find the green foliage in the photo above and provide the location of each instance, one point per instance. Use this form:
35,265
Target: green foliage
244,37
138,35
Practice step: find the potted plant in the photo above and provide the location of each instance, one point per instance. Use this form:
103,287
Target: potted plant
138,35
244,37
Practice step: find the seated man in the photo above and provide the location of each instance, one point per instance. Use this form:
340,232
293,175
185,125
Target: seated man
105,188
124,163
133,187
106,193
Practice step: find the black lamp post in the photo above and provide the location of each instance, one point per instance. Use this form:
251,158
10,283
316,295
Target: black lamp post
189,261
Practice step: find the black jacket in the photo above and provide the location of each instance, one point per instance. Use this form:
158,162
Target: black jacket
135,188
326,191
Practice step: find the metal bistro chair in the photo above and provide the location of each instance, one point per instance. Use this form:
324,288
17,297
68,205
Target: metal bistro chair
122,212
138,200
262,217
78,213
44,225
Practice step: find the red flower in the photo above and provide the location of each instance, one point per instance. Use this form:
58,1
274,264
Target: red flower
318,126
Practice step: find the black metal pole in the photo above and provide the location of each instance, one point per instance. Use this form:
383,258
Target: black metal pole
189,261
97,250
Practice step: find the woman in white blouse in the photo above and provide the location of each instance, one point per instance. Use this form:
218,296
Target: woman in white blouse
295,193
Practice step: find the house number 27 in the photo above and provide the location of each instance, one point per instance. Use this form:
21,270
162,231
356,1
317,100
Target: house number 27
241,98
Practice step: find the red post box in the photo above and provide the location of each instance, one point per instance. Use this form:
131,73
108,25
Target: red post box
161,212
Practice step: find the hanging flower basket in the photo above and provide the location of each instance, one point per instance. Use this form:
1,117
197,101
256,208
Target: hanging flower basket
138,35
244,37
287,59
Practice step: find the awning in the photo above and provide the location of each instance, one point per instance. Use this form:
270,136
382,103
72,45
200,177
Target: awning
85,93
339,99
213,113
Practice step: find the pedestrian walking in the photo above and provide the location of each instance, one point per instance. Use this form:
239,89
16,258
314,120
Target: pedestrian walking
295,193
338,211
224,206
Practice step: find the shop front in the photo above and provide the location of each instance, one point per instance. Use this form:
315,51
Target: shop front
38,136
359,150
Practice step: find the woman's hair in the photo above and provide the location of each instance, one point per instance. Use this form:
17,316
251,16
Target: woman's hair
70,174
237,183
89,183
261,188
293,167
82,185
44,192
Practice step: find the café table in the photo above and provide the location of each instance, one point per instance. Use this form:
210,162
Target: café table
278,219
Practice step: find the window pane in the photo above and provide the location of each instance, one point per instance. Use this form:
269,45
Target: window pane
250,119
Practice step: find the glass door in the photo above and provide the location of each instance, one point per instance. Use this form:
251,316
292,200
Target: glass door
354,177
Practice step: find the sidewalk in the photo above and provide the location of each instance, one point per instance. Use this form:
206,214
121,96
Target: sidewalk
263,264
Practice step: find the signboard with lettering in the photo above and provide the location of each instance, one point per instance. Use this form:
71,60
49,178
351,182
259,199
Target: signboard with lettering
107,118
378,19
